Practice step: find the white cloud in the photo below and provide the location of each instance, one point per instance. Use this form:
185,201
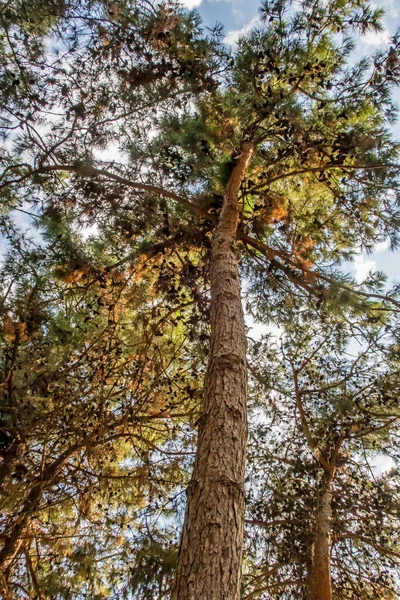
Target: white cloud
391,8
389,21
233,36
257,330
382,463
87,231
238,14
382,246
362,267
377,39
26,223
191,3
3,251
111,153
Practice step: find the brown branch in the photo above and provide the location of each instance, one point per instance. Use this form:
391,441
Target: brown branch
355,536
266,572
124,181
375,429
343,286
257,244
271,254
32,573
287,582
305,427
266,524
330,167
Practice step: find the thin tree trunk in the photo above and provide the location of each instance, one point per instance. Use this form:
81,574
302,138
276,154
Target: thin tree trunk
210,555
321,563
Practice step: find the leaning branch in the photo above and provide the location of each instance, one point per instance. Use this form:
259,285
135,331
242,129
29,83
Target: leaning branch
273,586
269,253
349,535
304,424
275,255
124,181
330,167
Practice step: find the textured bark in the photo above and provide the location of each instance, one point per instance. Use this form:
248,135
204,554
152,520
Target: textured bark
210,555
321,567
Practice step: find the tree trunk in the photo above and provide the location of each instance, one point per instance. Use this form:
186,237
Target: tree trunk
321,563
210,555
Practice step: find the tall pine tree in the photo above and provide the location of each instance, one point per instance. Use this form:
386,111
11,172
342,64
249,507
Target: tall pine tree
277,156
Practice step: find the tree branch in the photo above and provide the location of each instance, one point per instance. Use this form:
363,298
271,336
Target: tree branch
355,536
124,181
271,254
304,424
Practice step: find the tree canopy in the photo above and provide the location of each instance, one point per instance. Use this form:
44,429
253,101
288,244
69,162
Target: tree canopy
158,169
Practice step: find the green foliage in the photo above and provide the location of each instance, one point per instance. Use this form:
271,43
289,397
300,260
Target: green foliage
324,401
123,123
97,385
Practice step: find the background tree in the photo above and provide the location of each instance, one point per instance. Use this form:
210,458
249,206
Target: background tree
323,522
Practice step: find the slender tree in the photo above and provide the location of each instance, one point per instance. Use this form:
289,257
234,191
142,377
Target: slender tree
325,521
